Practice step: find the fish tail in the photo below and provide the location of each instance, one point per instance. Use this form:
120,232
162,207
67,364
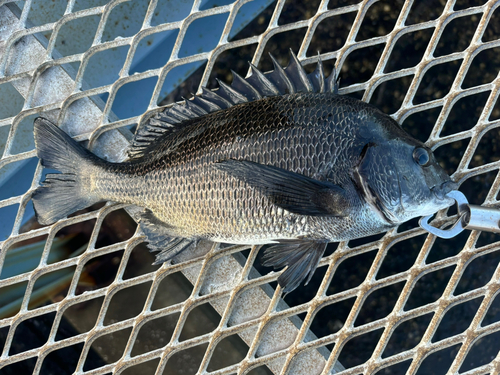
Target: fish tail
63,193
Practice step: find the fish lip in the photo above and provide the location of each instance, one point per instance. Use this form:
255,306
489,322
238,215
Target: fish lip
441,191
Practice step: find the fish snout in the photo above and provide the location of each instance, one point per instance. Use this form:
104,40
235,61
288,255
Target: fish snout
441,191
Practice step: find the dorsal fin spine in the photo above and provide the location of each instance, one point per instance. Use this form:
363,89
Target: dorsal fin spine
215,98
209,106
193,107
332,83
317,77
175,112
241,85
298,75
280,79
261,83
231,94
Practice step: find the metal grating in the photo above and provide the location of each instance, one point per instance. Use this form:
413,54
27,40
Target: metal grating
455,79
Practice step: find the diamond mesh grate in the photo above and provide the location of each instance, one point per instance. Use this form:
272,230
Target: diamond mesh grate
403,302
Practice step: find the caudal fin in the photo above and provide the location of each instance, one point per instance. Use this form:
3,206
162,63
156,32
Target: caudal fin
63,193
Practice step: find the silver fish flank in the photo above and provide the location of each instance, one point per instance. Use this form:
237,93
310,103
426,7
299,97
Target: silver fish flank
277,158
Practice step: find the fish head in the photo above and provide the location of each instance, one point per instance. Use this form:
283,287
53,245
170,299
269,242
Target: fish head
400,179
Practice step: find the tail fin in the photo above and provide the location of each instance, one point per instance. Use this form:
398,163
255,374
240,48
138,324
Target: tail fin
63,193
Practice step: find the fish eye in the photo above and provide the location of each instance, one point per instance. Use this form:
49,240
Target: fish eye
421,156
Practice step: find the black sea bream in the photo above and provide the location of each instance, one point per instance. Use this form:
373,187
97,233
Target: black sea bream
274,158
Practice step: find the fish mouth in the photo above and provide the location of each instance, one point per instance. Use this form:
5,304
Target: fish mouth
441,191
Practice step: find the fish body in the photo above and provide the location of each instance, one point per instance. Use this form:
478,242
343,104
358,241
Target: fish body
299,169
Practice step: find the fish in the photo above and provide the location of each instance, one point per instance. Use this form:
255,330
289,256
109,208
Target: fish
278,158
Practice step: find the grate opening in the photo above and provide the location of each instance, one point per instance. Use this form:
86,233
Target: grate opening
466,26
400,257
188,360
378,304
482,352
434,283
62,361
155,334
384,14
145,368
31,333
74,321
364,344
407,335
110,347
399,368
437,82
457,320
353,271
27,365
472,278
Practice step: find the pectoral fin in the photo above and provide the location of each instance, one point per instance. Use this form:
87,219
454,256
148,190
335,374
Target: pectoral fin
160,238
292,191
301,257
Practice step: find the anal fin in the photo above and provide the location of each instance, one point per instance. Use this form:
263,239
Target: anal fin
301,257
160,237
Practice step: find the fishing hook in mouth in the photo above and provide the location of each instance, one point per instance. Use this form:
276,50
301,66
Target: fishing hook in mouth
441,192
455,229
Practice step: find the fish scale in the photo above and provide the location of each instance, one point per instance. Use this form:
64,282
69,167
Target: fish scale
304,139
276,158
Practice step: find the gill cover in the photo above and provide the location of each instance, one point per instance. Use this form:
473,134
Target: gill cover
377,177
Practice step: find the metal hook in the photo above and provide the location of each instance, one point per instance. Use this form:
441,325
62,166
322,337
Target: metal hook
458,227
469,217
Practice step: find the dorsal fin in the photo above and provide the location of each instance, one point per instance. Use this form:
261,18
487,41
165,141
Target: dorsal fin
230,94
242,86
259,81
298,75
317,78
214,97
280,81
209,106
190,105
332,82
